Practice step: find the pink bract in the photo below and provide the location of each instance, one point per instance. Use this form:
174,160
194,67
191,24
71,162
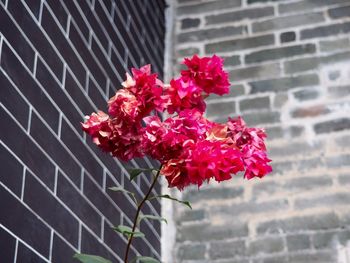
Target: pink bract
191,149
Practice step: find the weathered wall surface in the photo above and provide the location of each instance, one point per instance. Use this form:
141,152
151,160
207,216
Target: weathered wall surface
59,61
289,63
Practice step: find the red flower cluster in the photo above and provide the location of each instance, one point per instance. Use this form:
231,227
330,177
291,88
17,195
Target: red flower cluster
191,148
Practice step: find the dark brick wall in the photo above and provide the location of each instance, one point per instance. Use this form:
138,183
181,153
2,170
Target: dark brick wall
289,63
60,60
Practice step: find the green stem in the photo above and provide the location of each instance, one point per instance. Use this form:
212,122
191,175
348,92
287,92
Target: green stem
138,213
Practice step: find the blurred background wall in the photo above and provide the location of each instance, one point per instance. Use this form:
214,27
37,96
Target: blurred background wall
289,63
59,61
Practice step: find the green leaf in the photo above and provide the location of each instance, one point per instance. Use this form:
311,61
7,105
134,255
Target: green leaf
125,230
120,189
134,172
171,198
159,218
84,258
145,260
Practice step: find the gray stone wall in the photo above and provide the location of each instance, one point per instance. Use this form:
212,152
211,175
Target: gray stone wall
289,63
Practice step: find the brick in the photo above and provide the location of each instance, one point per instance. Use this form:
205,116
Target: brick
193,215
231,60
294,224
301,65
287,22
34,6
192,252
213,193
227,249
307,183
55,91
208,34
339,12
13,101
206,232
89,245
46,206
100,73
293,185
208,7
311,111
254,104
96,96
63,46
187,52
24,254
27,151
7,244
338,161
59,12
74,200
333,45
261,1
342,141
306,94
344,179
54,148
329,199
298,242
266,245
334,125
335,58
81,152
19,75
36,37
319,256
12,174
240,44
325,31
100,200
287,37
190,23
262,117
250,208
272,259
16,39
281,167
284,84
333,75
220,109
235,91
330,239
255,72
235,16
295,149
278,53
280,100
111,238
302,6
24,223
61,251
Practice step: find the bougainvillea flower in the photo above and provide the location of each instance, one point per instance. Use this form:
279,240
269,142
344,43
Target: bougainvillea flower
124,105
147,89
207,73
114,136
191,149
167,140
175,173
244,135
212,159
184,95
256,163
